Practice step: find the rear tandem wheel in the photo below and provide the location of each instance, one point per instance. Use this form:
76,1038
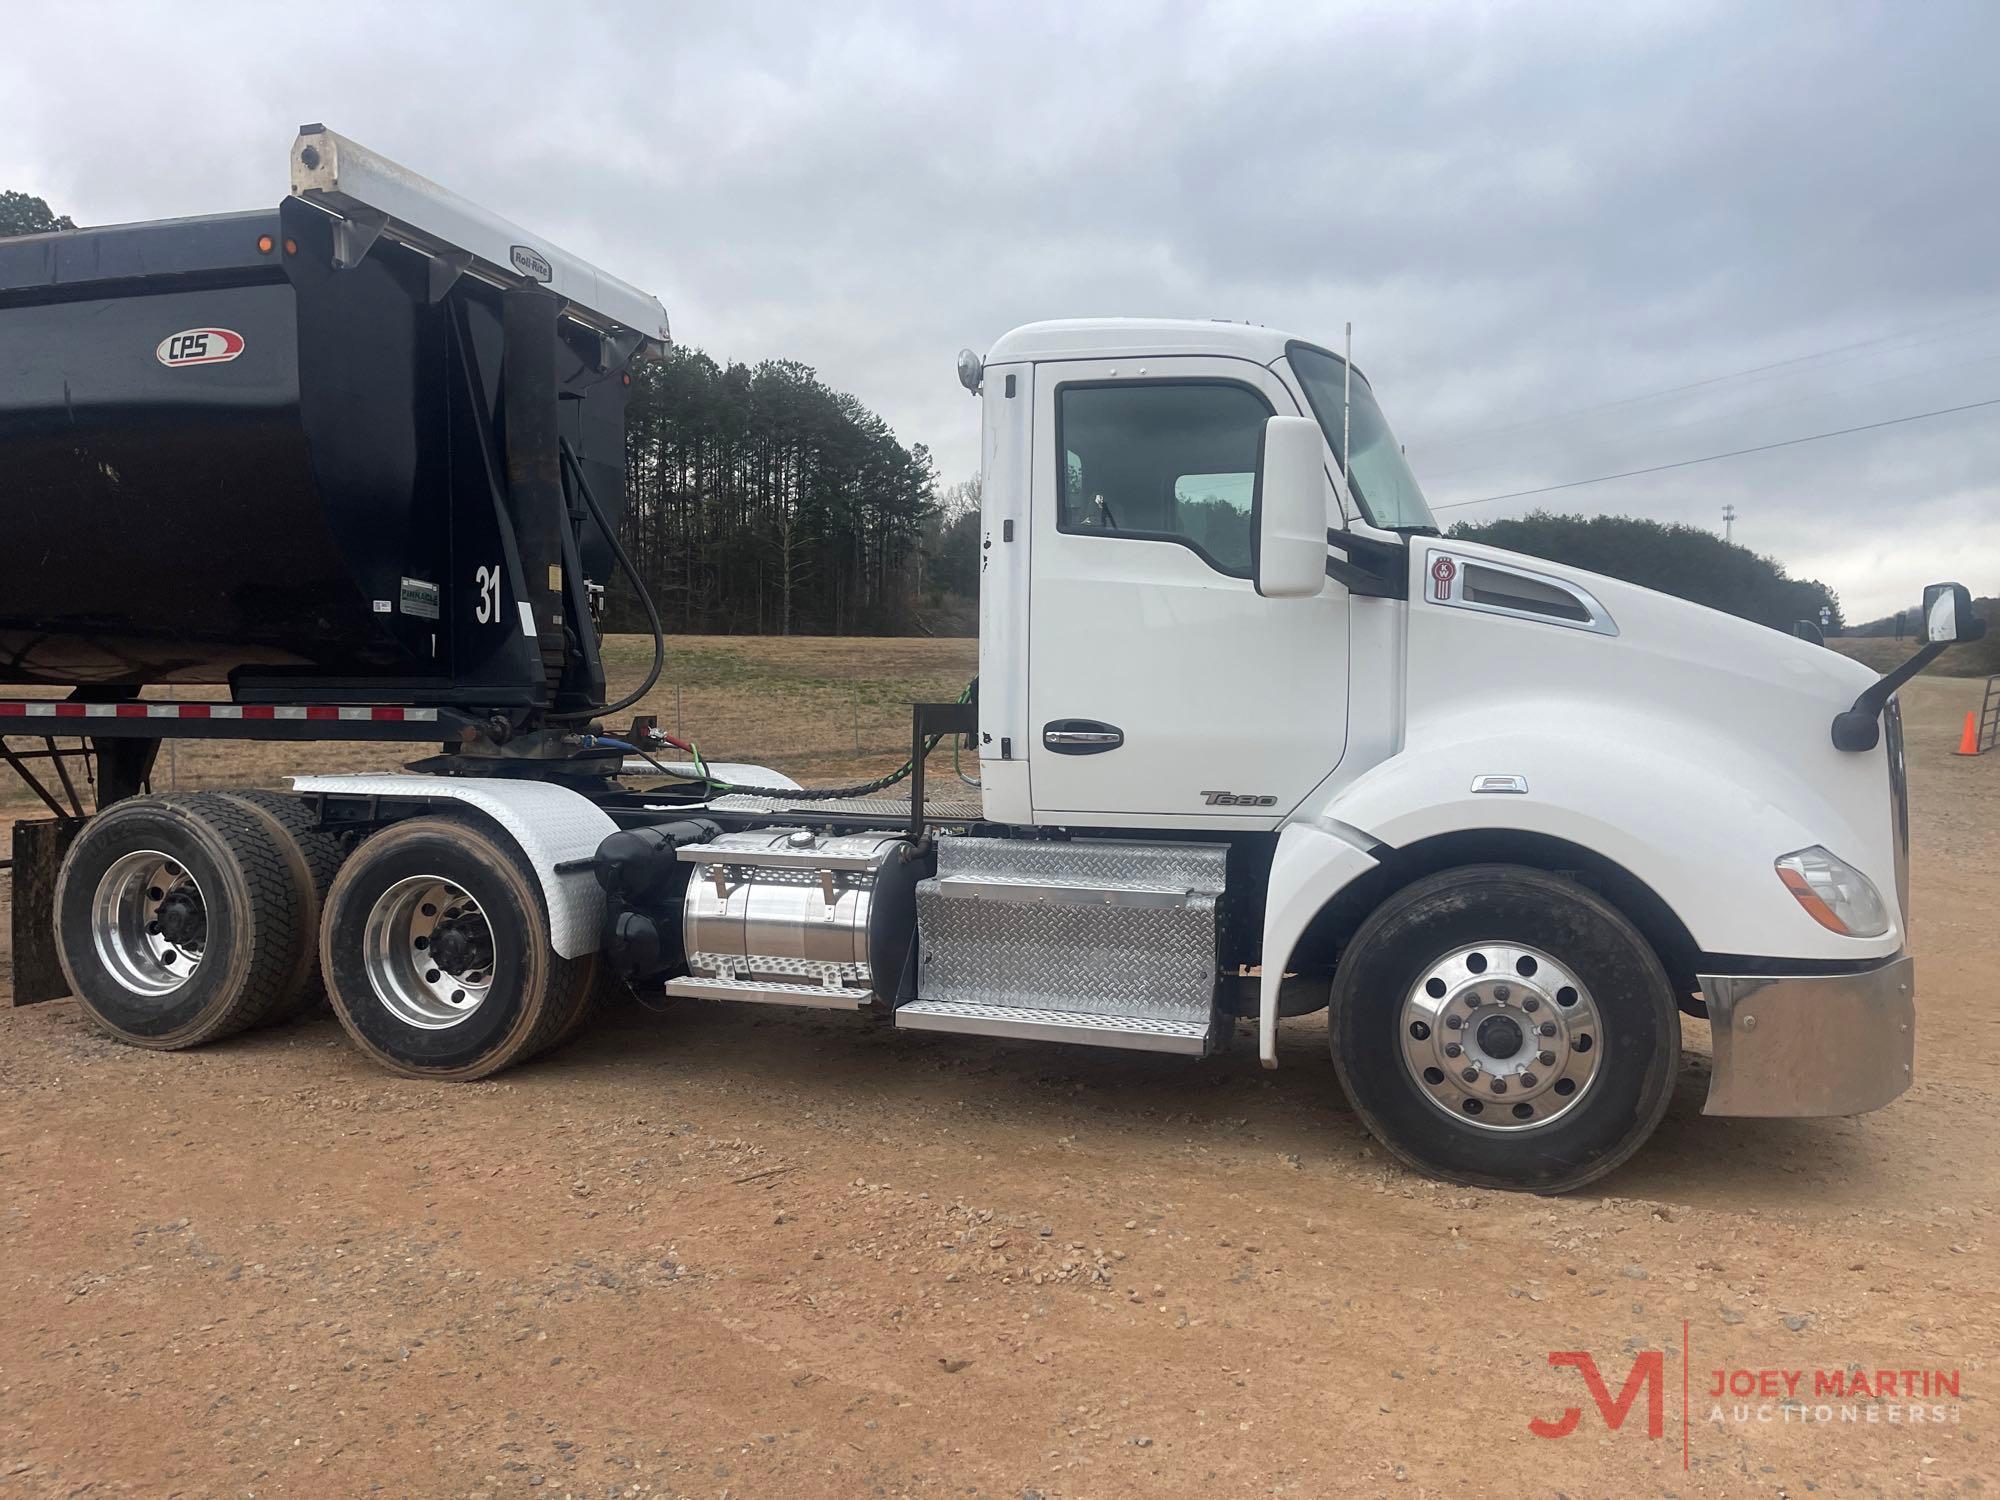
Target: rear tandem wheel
435,947
178,920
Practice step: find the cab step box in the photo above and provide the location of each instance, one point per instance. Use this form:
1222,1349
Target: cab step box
1107,942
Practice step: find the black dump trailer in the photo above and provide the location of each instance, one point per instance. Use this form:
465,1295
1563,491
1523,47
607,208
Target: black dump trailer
320,453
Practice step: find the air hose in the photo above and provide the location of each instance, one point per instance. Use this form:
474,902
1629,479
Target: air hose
575,469
810,794
787,794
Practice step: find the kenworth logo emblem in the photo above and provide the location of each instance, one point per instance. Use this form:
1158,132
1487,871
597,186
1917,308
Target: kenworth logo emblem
531,263
199,346
1442,573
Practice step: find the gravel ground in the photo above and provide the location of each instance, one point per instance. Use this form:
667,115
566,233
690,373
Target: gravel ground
719,1251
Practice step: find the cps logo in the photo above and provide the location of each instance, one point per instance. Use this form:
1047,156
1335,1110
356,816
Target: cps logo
199,346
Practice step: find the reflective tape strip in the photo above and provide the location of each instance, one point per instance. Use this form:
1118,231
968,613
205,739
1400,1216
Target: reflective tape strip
290,713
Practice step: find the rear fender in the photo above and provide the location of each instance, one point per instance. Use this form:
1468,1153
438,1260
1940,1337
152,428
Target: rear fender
550,825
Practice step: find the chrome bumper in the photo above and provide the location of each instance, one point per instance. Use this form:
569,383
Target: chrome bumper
1811,1044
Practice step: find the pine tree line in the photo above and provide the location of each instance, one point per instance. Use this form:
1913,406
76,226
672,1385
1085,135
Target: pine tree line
759,501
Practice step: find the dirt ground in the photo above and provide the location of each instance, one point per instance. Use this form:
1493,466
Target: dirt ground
725,1251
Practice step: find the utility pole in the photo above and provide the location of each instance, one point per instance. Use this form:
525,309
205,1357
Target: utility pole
1728,521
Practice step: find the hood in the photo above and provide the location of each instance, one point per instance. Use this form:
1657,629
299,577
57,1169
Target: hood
1670,634
1667,735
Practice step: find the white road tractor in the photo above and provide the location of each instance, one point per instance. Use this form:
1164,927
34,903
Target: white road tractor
1253,739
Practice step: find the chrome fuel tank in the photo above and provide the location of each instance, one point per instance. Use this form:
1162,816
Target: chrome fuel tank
791,906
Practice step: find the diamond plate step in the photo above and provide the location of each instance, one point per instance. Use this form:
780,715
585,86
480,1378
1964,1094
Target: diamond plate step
1140,1034
1079,936
816,996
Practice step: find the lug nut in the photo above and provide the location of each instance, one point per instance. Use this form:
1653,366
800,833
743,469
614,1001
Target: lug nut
1547,1028
1452,1049
1531,1003
1501,992
1453,1022
1527,1080
1470,1075
1499,1085
1546,1059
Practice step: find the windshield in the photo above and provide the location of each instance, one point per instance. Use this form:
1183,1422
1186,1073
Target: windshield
1378,477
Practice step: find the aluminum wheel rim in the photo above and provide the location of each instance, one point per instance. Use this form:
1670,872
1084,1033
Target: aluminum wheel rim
125,923
410,925
1501,1036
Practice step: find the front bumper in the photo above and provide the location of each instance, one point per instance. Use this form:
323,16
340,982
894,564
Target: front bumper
1811,1044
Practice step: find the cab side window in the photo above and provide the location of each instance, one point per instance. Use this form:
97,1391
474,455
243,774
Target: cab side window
1164,461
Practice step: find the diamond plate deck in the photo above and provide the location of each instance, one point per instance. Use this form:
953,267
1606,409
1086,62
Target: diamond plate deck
1055,1026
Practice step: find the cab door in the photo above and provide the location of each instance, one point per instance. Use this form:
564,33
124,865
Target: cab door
1162,689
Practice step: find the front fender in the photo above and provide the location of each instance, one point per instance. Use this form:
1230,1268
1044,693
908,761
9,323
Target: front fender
1698,817
1313,864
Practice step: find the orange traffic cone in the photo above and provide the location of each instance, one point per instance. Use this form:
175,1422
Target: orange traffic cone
1968,743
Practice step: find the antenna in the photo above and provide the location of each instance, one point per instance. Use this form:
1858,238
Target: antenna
1728,521
1347,409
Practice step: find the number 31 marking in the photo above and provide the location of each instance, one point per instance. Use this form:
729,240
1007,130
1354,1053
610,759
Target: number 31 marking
487,582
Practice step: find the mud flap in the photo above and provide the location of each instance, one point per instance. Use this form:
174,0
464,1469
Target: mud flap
39,847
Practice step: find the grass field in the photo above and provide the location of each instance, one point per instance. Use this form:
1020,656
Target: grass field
1975,659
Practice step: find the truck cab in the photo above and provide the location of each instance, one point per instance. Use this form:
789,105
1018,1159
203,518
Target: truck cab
1408,714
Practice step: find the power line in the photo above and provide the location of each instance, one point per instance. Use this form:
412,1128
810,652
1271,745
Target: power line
1625,437
1695,385
1709,458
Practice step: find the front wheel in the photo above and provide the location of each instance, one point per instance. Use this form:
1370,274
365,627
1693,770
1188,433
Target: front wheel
1498,1026
436,953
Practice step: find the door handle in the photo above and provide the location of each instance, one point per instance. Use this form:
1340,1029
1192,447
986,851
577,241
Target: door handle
1081,736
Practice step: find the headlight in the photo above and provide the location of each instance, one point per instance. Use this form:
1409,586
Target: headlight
1834,893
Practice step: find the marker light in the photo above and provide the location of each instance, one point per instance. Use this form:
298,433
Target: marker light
1835,894
264,243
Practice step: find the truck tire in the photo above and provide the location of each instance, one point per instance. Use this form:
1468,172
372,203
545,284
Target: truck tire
1498,1026
314,858
579,1007
177,920
436,953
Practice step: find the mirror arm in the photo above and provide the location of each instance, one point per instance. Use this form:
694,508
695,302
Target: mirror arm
1859,728
1361,581
1372,569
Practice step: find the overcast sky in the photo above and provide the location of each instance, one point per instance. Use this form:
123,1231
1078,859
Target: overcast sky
1524,210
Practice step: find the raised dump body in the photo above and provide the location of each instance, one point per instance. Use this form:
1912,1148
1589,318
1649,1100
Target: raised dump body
313,451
